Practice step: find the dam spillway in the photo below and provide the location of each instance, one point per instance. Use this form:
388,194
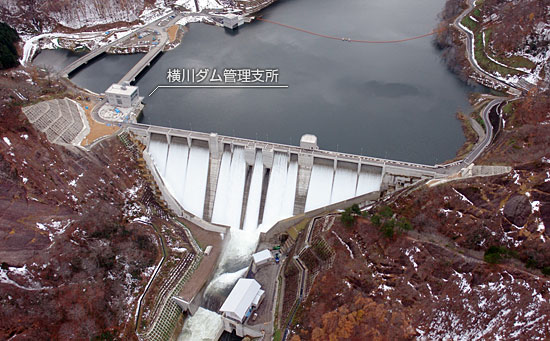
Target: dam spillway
270,191
247,184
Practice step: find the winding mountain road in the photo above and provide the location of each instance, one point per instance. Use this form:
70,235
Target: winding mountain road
470,52
480,147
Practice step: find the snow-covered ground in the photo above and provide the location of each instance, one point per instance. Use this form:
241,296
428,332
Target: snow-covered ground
203,4
98,38
531,76
20,277
51,41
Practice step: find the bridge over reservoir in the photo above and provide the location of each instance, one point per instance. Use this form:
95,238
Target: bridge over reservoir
246,184
131,75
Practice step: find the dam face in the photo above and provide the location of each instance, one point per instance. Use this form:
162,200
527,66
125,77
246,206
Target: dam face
249,184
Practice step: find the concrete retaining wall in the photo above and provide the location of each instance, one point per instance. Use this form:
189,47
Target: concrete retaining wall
284,225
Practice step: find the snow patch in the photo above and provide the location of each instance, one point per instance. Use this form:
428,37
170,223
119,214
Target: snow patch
463,197
344,243
535,206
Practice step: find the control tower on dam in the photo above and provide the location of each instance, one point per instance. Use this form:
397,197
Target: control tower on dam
245,184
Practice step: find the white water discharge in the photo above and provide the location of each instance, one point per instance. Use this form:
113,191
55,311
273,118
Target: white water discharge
345,181
289,195
320,187
275,190
176,168
195,180
205,325
368,182
254,195
234,205
233,264
158,148
219,211
225,280
230,190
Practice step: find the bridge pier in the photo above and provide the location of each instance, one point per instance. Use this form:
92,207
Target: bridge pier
211,186
358,174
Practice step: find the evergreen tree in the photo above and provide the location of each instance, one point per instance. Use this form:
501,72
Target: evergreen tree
8,51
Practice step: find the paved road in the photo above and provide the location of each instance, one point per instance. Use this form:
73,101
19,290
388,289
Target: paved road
153,52
470,48
96,52
480,147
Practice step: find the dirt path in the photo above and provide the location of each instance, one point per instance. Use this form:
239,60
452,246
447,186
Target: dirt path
468,255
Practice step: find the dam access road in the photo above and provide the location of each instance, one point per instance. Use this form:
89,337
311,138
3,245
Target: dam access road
144,62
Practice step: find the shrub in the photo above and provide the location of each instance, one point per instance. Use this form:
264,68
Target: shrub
388,228
105,336
143,243
386,212
347,218
492,258
495,254
546,271
355,209
404,224
376,220
531,263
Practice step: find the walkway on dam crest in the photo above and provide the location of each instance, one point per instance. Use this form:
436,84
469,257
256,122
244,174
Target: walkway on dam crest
439,169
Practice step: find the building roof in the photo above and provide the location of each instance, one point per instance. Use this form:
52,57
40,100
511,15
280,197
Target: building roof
258,297
241,298
262,256
309,138
121,89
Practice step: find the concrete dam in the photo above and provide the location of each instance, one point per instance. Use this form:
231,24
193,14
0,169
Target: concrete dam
248,184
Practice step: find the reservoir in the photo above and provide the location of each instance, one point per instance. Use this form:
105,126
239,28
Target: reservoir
395,101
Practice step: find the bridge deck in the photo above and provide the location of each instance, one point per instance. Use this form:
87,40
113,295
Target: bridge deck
145,61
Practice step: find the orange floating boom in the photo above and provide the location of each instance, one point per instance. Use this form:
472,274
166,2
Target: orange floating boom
348,39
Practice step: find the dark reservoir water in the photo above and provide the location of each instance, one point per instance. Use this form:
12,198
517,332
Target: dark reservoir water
388,100
98,74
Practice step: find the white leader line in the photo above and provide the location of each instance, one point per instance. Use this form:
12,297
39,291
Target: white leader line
221,87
